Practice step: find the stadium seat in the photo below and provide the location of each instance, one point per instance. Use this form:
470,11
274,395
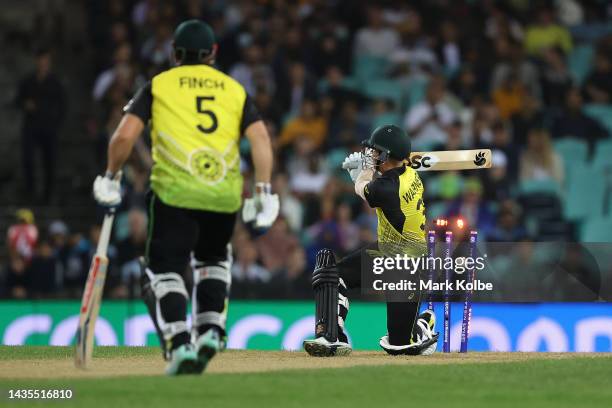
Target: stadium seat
579,62
573,151
597,229
416,91
367,67
386,119
585,193
601,113
385,89
603,154
335,159
539,186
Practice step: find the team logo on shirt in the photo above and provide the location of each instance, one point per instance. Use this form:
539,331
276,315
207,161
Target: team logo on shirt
207,166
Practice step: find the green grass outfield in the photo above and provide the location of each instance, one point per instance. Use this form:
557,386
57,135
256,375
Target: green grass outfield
365,379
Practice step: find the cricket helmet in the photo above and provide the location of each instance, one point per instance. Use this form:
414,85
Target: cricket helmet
390,141
193,39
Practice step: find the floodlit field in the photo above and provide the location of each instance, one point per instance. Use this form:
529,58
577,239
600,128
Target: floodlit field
131,377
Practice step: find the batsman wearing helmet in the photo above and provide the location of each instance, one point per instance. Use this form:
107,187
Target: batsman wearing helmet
197,115
395,190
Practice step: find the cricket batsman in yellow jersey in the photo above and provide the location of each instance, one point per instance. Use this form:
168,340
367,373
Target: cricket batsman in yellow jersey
395,190
197,115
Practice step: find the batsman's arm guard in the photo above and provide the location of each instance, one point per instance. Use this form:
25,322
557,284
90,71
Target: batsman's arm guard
325,281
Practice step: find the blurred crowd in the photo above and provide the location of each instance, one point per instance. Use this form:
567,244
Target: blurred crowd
323,74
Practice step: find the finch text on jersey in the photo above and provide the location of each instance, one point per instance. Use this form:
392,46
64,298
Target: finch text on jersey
194,82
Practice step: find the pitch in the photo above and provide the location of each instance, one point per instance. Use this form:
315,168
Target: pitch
131,377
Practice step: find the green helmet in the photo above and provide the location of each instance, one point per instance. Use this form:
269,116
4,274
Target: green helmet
390,141
193,39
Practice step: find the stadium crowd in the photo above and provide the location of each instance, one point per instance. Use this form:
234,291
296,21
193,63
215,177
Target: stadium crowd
521,78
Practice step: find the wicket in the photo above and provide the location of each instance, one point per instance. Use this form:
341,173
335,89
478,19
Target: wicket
467,304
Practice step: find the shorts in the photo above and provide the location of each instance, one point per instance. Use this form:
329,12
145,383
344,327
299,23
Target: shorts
174,233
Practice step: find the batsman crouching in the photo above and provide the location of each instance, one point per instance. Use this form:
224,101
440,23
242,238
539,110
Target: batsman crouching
395,190
197,115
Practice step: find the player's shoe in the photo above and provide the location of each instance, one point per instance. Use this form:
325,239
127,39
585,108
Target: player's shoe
183,360
321,347
423,342
207,345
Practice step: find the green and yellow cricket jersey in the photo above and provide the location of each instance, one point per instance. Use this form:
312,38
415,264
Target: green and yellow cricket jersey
397,196
197,116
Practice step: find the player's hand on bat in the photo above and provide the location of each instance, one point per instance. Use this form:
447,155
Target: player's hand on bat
107,190
353,164
262,209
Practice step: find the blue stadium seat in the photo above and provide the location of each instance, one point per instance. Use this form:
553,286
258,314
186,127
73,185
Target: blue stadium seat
573,152
601,113
603,154
335,158
386,89
387,119
597,229
367,67
585,193
579,62
417,91
539,186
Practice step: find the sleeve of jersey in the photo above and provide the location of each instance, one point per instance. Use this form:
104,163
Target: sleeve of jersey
379,191
250,114
140,104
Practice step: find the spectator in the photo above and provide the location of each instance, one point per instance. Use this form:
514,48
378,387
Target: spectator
246,269
508,228
291,208
572,122
529,116
514,64
598,85
41,98
130,249
157,49
348,231
349,128
22,236
472,208
121,64
276,245
252,72
17,279
299,87
427,121
309,124
555,77
509,96
43,273
497,185
539,161
375,39
546,33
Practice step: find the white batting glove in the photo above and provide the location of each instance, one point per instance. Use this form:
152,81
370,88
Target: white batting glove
107,189
353,164
262,209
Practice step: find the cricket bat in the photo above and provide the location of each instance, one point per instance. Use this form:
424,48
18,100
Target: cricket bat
92,296
451,160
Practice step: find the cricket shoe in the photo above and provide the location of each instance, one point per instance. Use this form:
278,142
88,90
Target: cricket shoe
207,345
423,342
183,360
321,347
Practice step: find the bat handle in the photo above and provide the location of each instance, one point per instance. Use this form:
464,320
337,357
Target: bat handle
105,232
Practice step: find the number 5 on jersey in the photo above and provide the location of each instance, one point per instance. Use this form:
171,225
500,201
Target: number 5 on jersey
202,110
